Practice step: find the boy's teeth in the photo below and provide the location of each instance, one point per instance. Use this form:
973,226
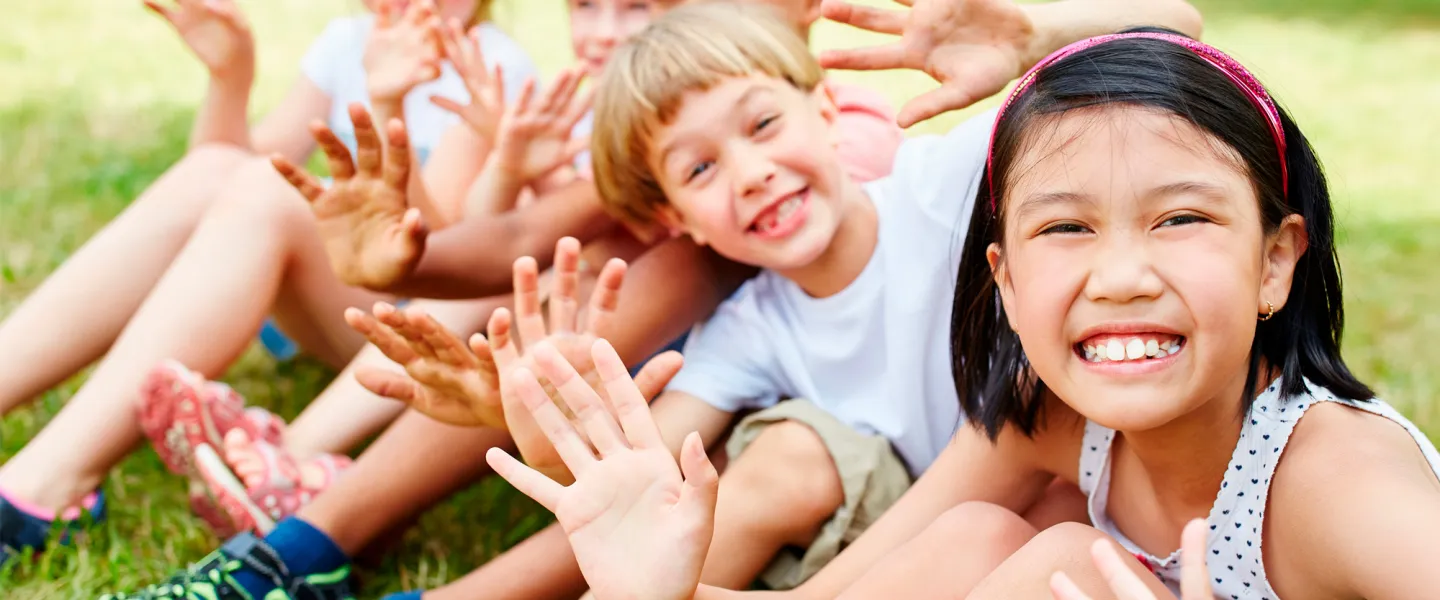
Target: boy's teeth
1117,349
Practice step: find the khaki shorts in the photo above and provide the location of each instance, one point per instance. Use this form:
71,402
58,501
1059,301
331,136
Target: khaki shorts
872,477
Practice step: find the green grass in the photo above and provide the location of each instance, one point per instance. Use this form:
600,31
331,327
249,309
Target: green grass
98,96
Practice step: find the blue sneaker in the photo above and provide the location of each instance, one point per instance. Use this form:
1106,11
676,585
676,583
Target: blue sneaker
222,576
21,531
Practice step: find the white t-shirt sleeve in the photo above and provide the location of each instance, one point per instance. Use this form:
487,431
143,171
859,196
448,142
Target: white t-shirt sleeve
325,61
942,173
729,363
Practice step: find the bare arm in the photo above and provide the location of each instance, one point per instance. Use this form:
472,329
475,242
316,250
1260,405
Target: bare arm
1058,24
283,131
472,258
1354,511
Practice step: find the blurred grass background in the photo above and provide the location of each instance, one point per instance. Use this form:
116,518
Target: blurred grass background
96,100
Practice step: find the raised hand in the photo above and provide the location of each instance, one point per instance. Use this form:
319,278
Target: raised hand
972,47
514,344
215,32
534,135
403,50
639,526
444,379
1194,577
486,88
373,236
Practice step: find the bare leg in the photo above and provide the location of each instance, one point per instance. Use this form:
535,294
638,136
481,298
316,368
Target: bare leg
256,245
346,413
78,311
779,492
416,463
948,558
1064,547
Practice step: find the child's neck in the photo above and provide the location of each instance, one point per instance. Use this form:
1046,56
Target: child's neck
1185,461
849,251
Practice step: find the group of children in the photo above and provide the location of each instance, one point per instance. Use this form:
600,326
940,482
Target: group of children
1134,255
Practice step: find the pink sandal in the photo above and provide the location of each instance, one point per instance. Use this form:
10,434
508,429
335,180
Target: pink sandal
275,486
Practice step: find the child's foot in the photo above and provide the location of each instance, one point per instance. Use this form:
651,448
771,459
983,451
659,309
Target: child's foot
258,483
247,568
180,410
25,527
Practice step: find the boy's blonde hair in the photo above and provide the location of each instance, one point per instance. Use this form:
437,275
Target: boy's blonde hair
691,48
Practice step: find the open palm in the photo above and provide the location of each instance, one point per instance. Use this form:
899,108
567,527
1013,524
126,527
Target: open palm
213,29
972,47
373,237
443,379
639,526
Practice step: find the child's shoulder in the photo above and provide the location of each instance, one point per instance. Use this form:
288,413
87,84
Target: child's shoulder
1349,479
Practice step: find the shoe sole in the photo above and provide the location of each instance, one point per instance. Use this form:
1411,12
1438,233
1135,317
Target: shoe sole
230,493
173,416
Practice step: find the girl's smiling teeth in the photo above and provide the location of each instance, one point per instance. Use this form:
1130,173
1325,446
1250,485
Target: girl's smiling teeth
1128,348
782,217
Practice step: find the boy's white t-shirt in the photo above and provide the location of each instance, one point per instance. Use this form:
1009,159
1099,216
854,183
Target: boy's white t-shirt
877,354
335,63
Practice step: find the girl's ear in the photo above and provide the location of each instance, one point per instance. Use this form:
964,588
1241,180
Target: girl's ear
1002,281
1283,250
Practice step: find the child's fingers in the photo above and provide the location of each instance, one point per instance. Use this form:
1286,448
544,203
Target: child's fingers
631,408
397,162
337,156
501,346
303,182
584,403
863,17
388,384
657,373
949,96
448,348
1194,576
702,482
564,286
523,99
558,92
449,105
1122,580
528,320
605,298
1065,589
877,58
530,482
160,9
484,358
368,152
572,450
574,147
579,107
381,336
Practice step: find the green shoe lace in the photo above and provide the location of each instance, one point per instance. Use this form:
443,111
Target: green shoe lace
212,578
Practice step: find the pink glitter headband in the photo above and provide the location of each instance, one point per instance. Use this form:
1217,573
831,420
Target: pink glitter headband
1229,66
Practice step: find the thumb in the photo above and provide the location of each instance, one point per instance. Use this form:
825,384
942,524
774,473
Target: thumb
387,383
702,481
656,374
414,226
575,146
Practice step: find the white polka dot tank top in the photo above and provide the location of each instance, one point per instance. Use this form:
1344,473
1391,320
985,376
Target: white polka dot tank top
1236,521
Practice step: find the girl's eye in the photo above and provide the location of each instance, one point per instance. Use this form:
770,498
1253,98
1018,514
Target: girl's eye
1182,220
1064,228
698,170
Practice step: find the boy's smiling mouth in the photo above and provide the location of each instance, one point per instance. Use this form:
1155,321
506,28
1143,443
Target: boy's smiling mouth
783,217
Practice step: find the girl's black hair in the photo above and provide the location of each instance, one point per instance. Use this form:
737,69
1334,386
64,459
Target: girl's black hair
990,369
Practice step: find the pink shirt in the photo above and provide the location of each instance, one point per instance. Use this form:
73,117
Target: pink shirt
869,136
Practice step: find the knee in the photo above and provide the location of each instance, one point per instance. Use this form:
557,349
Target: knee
256,194
1062,545
981,525
788,465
